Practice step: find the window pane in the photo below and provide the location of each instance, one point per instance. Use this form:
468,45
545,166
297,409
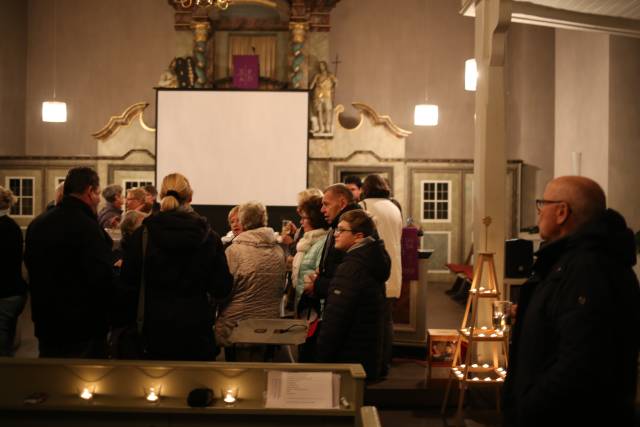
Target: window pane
27,206
27,187
14,185
15,209
443,210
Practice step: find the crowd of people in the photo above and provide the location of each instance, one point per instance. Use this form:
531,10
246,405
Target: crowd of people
186,288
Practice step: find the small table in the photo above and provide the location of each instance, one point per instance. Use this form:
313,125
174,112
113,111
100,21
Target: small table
271,332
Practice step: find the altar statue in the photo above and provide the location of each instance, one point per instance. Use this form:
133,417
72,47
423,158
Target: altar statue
322,85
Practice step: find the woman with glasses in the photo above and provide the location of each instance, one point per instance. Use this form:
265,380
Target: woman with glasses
309,247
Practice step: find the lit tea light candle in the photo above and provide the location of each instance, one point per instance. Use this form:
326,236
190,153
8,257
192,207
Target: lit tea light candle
87,393
476,379
153,395
499,379
475,365
463,365
481,335
493,335
487,379
484,328
230,395
486,365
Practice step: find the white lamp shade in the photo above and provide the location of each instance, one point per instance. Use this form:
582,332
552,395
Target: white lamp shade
425,115
53,111
470,74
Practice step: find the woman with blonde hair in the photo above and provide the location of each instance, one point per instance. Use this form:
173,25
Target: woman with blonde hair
13,289
184,267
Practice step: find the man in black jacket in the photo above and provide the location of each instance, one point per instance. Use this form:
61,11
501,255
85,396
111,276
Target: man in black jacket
68,257
353,325
575,342
337,199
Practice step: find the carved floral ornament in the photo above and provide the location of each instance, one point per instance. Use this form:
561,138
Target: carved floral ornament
314,12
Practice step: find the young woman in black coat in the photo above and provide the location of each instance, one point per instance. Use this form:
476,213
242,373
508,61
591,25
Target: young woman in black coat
184,268
353,325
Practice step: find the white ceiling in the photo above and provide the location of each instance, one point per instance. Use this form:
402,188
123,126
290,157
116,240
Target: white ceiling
629,9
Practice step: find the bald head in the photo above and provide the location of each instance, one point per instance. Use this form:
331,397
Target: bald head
579,201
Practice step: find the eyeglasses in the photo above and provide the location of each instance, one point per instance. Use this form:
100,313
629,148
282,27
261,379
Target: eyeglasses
342,230
541,202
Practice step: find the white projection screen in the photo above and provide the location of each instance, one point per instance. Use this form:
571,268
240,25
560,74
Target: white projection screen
234,146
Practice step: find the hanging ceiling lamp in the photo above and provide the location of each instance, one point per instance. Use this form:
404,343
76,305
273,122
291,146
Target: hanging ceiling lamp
54,111
425,115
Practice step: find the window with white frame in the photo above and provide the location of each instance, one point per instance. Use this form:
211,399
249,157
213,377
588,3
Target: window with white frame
128,184
22,187
436,201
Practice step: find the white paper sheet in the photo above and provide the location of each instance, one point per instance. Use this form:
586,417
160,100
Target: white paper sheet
308,390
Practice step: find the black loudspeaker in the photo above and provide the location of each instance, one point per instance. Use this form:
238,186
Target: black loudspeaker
518,257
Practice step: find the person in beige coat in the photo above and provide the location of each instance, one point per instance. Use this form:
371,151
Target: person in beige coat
388,219
257,263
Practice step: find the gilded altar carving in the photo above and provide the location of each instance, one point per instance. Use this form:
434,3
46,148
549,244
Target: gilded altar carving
123,120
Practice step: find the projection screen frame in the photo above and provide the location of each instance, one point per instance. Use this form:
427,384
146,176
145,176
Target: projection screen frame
158,90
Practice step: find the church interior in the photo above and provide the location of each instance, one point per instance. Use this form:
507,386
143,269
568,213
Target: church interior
556,94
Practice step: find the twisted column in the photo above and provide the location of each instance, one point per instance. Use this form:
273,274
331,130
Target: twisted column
201,31
298,71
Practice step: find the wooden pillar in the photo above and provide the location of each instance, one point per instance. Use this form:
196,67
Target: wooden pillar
490,159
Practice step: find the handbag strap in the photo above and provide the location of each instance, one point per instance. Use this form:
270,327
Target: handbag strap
141,296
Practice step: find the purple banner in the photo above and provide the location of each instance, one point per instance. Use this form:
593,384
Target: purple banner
410,254
246,71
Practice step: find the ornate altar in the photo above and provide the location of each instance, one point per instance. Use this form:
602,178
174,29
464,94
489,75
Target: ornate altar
289,36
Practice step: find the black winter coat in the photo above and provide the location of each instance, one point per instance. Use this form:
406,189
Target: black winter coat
185,265
69,260
575,342
330,259
353,324
11,258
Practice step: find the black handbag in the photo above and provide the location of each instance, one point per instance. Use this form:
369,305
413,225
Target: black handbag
128,342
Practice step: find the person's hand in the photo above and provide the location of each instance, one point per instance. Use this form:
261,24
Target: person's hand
309,283
118,263
114,222
286,239
514,311
289,262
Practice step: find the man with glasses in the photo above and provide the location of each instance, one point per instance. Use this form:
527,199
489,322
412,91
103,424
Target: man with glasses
353,325
575,341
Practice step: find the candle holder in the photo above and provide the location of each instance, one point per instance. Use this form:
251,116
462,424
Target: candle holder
229,395
87,392
501,315
152,394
